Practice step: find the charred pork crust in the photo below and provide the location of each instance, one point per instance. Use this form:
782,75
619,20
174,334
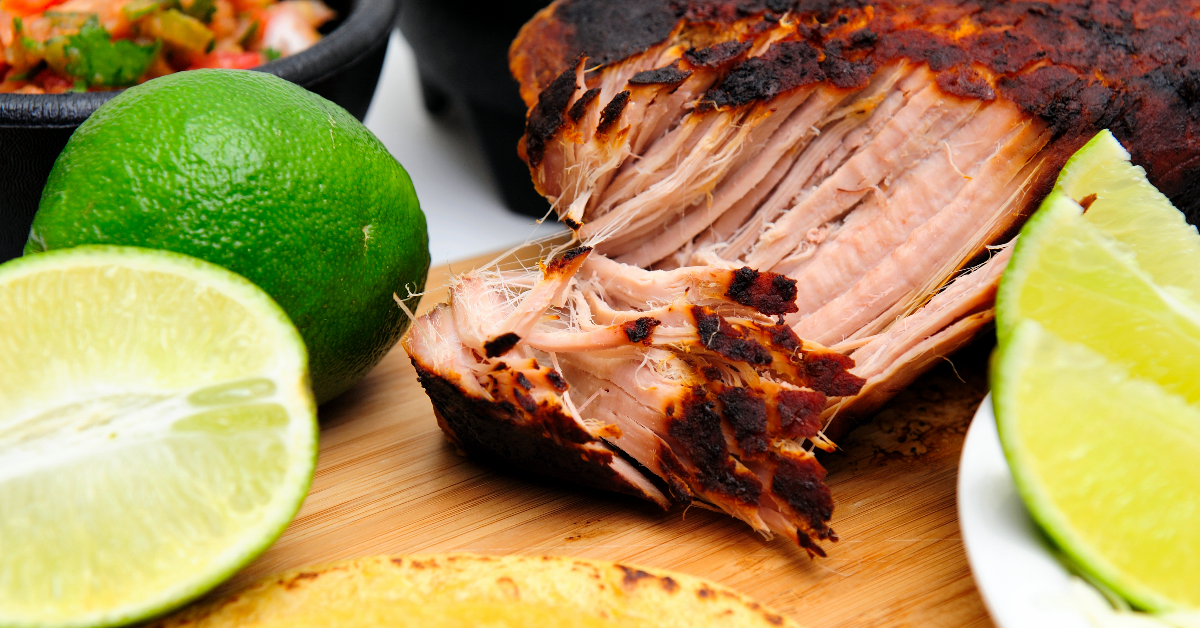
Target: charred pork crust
1132,66
667,75
801,483
786,66
500,345
720,337
716,55
543,441
800,413
747,413
547,116
580,106
611,112
698,430
769,293
568,262
641,329
828,373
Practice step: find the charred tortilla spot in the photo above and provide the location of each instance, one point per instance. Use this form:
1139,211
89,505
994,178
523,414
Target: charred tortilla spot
500,345
800,412
699,433
769,293
718,336
717,55
668,584
667,75
828,373
580,106
632,576
547,116
563,262
611,112
641,329
801,483
747,413
774,619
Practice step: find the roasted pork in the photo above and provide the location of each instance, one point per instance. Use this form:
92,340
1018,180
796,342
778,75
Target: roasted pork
742,175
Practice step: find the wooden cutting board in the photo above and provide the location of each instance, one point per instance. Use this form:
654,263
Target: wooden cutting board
388,482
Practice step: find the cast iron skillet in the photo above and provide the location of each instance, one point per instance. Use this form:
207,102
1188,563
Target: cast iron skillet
343,67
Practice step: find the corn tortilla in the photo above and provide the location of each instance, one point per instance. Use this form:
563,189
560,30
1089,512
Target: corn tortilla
467,590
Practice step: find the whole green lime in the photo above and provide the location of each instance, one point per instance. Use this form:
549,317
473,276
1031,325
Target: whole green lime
258,175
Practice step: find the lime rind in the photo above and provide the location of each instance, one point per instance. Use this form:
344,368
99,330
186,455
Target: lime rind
1038,379
290,392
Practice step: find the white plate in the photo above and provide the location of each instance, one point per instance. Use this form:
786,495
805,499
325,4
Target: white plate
1022,583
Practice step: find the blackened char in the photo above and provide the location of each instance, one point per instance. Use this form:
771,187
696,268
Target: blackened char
1132,66
490,431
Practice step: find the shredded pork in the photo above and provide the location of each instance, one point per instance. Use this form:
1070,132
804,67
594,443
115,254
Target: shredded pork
748,182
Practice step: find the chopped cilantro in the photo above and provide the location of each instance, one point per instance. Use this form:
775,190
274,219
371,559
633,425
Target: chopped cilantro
270,54
91,56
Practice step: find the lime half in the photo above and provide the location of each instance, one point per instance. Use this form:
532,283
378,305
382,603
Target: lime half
1105,461
157,431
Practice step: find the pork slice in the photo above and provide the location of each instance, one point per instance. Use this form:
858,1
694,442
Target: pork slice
885,221
916,129
692,175
514,414
842,134
790,136
950,238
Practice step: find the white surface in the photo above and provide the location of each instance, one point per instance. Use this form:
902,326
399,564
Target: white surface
1020,580
465,213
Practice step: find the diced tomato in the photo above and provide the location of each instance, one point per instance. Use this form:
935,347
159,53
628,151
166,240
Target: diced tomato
22,8
229,60
53,82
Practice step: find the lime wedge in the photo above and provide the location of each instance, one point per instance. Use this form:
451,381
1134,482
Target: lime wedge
1105,462
1131,210
1085,286
157,431
1094,381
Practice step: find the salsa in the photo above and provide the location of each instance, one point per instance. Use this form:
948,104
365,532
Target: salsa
55,46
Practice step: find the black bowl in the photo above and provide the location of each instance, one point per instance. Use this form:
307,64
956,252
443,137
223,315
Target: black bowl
343,67
462,59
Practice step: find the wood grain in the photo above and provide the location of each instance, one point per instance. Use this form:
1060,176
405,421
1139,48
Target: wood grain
388,482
